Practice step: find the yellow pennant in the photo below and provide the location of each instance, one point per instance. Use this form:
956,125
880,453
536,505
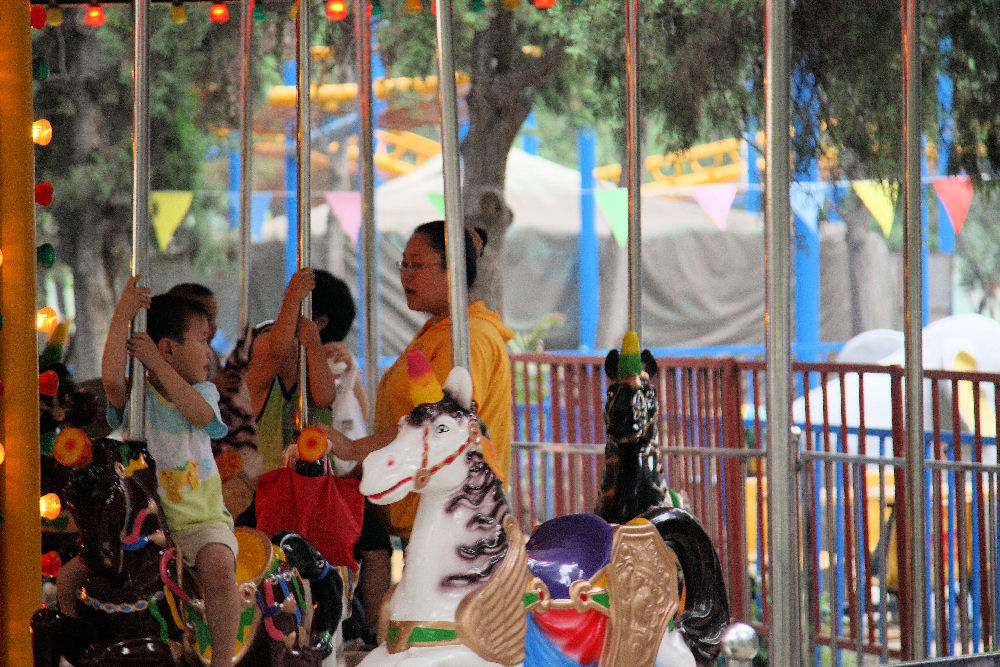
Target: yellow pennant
880,199
167,209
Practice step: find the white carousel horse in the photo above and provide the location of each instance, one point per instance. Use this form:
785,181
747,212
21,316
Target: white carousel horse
467,586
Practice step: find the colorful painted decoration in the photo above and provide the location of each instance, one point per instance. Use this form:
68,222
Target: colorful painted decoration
312,444
73,448
424,387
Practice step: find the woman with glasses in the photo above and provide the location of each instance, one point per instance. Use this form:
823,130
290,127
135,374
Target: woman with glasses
424,276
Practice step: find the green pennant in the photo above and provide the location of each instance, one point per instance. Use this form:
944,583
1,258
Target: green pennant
614,205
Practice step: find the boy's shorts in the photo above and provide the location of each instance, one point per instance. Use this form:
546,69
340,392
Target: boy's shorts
191,540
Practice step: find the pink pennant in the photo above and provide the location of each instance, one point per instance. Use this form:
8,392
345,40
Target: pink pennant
347,207
955,193
716,200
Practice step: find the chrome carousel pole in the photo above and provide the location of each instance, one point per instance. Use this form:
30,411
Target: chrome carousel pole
451,166
136,427
303,109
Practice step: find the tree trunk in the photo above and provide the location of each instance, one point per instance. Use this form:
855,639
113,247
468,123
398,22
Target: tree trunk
498,103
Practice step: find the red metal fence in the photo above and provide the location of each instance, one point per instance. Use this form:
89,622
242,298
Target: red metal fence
851,461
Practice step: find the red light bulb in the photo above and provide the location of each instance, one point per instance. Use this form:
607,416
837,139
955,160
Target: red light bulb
219,12
94,16
38,16
336,10
544,4
51,562
44,193
48,383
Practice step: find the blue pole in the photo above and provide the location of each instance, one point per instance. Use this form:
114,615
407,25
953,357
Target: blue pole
946,234
755,195
587,244
925,310
288,75
807,269
529,140
235,168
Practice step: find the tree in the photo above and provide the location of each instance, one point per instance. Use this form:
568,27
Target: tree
88,99
570,58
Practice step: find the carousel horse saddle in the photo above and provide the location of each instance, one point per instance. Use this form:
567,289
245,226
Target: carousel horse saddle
569,548
602,594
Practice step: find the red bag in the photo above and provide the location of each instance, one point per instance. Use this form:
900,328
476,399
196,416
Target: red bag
326,510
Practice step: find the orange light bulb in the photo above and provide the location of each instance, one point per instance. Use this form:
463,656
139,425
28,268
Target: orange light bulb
49,506
219,12
41,132
3,453
94,16
46,320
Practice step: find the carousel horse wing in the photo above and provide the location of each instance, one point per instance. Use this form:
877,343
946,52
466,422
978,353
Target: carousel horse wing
499,606
643,589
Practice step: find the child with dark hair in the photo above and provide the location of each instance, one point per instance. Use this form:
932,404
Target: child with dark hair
181,416
236,452
273,371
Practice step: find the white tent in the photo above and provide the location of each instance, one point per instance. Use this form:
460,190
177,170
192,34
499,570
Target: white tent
701,285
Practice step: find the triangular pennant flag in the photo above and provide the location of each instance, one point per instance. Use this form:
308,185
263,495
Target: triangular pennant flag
260,208
437,198
167,210
880,199
347,207
614,205
806,200
955,193
716,200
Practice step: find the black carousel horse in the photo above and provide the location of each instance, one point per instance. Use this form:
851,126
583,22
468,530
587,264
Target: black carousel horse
633,473
133,608
633,486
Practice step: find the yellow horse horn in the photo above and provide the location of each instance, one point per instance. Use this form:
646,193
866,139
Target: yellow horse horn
424,386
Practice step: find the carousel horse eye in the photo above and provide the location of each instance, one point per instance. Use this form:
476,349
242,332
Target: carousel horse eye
442,428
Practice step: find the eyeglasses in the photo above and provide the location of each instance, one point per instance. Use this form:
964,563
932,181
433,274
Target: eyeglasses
413,266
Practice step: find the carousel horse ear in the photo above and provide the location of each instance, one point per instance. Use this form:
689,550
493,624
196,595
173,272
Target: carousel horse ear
424,386
459,387
611,365
649,363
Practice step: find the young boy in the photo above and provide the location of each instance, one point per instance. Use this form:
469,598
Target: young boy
181,416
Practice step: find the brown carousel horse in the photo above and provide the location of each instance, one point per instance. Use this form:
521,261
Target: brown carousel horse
136,605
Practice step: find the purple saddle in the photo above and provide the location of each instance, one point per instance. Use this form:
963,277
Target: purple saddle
567,549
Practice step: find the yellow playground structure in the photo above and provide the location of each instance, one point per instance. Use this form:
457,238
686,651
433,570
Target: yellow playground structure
400,152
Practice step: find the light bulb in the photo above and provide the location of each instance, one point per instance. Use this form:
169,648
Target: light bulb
46,320
55,16
41,132
336,10
219,12
94,16
177,14
49,506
